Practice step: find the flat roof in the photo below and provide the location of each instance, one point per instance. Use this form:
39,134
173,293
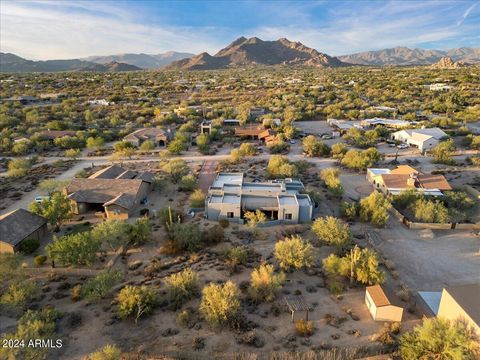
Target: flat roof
271,187
287,200
304,200
229,178
231,199
215,199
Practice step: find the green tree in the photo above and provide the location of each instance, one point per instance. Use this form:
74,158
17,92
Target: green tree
176,147
220,304
430,211
332,230
330,177
280,167
140,232
338,150
360,160
56,209
374,209
294,253
19,167
264,283
95,143
202,142
135,302
111,233
441,339
442,153
359,265
147,145
313,147
50,186
176,169
75,249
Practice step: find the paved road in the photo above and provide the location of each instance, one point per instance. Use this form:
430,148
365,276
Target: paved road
425,164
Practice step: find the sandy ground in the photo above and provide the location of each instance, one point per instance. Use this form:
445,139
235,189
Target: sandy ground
429,260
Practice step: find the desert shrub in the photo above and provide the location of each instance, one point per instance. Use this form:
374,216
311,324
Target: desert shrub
264,283
184,317
99,286
213,235
176,169
247,149
28,246
439,338
18,295
457,199
220,303
32,326
332,230
430,211
348,210
236,256
168,215
294,253
405,198
254,218
332,181
387,335
224,223
338,150
108,352
197,199
335,287
374,209
76,292
56,209
184,237
188,183
40,260
135,301
304,328
19,167
181,287
140,232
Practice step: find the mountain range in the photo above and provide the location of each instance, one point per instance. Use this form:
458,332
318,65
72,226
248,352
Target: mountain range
254,51
144,61
13,63
245,52
407,56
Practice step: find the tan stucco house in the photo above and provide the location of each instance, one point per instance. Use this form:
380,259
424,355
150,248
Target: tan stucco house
113,190
18,226
461,303
159,136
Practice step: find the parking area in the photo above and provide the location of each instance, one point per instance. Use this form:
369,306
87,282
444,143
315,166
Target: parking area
431,259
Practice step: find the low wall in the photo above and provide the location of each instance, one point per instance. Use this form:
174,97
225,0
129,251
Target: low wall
433,226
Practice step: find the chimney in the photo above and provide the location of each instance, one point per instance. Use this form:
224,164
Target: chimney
412,180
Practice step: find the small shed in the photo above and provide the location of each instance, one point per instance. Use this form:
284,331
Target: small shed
383,304
18,226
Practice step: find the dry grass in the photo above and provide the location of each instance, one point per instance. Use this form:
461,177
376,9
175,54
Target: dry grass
304,328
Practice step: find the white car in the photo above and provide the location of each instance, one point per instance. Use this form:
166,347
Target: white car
292,142
39,199
402,146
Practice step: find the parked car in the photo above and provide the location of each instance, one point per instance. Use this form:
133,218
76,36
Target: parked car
292,142
402,146
392,145
39,199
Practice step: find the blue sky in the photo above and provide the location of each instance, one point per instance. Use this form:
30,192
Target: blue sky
68,29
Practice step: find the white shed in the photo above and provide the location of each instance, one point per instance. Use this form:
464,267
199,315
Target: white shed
380,303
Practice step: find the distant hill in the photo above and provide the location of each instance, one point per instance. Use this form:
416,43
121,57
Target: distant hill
448,63
407,56
254,51
13,63
144,61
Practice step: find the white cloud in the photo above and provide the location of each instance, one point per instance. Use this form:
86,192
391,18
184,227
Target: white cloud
55,33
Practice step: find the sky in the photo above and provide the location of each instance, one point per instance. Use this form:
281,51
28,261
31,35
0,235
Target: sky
64,29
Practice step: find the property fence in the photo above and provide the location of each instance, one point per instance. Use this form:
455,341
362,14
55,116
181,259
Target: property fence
433,226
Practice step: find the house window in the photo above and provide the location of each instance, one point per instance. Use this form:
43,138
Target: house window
288,216
230,215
